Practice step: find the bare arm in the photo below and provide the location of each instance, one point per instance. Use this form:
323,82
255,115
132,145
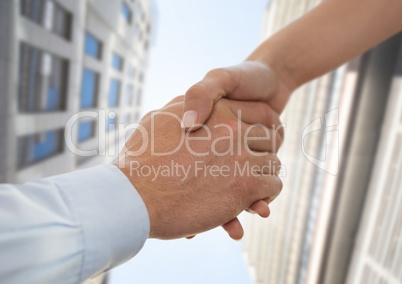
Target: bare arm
326,37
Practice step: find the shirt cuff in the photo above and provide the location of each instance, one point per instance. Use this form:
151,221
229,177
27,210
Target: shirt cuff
114,218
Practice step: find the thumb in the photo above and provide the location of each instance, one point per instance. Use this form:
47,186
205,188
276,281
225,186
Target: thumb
197,107
200,98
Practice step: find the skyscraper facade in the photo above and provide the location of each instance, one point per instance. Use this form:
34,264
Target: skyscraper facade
59,58
338,218
63,57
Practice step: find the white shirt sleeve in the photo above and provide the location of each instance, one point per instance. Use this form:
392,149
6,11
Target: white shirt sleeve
71,227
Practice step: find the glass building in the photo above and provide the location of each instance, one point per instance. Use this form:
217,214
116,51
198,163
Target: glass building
61,57
339,217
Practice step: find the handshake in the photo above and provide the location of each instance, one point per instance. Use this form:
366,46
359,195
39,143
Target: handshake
202,171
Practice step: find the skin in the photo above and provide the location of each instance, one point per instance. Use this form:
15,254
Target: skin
183,207
333,33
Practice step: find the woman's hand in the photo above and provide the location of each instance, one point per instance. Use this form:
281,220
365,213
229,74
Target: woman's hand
248,81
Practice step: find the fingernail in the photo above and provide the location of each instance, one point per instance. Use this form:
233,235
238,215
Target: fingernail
189,119
250,211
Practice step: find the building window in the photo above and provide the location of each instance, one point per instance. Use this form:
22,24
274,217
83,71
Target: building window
49,15
93,46
117,62
61,22
86,130
129,94
126,12
42,81
38,147
114,93
89,88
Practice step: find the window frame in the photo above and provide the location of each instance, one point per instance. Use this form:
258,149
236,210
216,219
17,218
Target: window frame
40,17
32,68
92,130
117,62
126,12
26,147
95,92
117,95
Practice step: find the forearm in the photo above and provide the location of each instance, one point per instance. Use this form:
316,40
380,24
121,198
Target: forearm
331,34
68,228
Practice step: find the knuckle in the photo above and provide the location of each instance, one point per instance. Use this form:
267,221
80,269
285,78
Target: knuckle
281,131
222,74
273,185
262,189
148,114
279,140
273,158
178,99
271,120
196,91
278,137
217,72
267,114
275,141
278,185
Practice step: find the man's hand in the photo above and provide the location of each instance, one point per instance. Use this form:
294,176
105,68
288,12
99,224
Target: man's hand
248,81
195,181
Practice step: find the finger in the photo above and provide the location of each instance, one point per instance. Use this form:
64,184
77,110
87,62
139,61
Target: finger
266,163
261,138
200,98
254,113
197,107
270,199
260,207
234,229
249,81
267,188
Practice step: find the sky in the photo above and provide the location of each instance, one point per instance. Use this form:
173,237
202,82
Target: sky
191,38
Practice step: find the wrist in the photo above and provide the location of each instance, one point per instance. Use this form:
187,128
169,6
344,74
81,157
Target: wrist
277,63
278,77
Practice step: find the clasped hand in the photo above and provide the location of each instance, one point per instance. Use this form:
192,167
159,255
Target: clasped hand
192,182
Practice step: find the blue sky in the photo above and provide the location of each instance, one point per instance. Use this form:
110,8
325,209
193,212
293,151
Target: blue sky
193,37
